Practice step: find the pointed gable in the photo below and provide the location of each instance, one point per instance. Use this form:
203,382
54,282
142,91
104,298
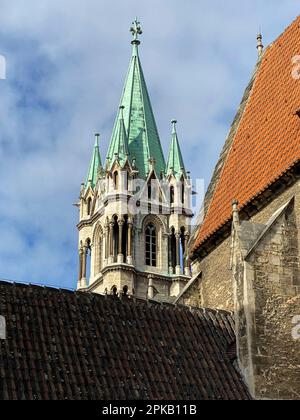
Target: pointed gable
267,141
140,125
95,164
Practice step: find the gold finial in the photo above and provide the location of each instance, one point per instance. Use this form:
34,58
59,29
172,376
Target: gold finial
136,30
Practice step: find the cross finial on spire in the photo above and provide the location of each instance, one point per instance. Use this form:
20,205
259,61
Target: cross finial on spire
136,30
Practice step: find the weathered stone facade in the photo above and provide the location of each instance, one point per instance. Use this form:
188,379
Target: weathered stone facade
248,256
256,272
134,210
267,299
215,286
105,265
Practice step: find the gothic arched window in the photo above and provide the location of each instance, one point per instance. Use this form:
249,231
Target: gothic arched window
98,254
116,180
115,237
88,251
89,206
182,191
173,261
126,181
182,244
172,195
151,245
149,191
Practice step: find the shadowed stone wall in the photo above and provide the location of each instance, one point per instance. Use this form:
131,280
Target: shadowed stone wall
267,300
215,288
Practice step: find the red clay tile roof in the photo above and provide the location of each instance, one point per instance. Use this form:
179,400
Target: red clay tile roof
66,345
267,141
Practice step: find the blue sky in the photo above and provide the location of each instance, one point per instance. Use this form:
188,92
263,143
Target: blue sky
66,64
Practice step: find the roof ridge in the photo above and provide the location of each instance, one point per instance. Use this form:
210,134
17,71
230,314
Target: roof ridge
153,302
264,125
211,189
284,32
39,285
239,120
236,120
144,353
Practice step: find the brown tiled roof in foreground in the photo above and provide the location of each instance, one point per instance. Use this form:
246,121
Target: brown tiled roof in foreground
267,141
68,345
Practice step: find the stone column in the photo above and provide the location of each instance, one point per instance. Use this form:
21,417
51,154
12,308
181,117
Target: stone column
111,243
120,255
83,278
129,244
150,294
171,270
80,268
178,268
106,243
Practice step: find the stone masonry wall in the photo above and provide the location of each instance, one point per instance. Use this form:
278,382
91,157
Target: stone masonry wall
276,293
192,297
216,288
216,284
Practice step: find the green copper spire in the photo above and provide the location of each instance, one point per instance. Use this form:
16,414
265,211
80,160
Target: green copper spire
142,134
175,160
94,165
119,141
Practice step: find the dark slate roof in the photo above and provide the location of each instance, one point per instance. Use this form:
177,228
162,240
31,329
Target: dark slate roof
72,345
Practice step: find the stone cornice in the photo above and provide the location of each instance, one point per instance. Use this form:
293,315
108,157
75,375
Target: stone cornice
130,268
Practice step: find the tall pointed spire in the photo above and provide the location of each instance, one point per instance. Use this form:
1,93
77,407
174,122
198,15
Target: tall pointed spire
95,164
175,161
143,138
119,141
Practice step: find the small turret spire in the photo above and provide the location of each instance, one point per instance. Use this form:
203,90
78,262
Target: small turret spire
95,164
123,140
260,47
119,143
175,163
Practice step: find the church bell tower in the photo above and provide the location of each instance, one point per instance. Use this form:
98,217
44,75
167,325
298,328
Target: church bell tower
134,208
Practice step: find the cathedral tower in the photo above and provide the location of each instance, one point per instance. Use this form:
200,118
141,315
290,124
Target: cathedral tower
134,209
